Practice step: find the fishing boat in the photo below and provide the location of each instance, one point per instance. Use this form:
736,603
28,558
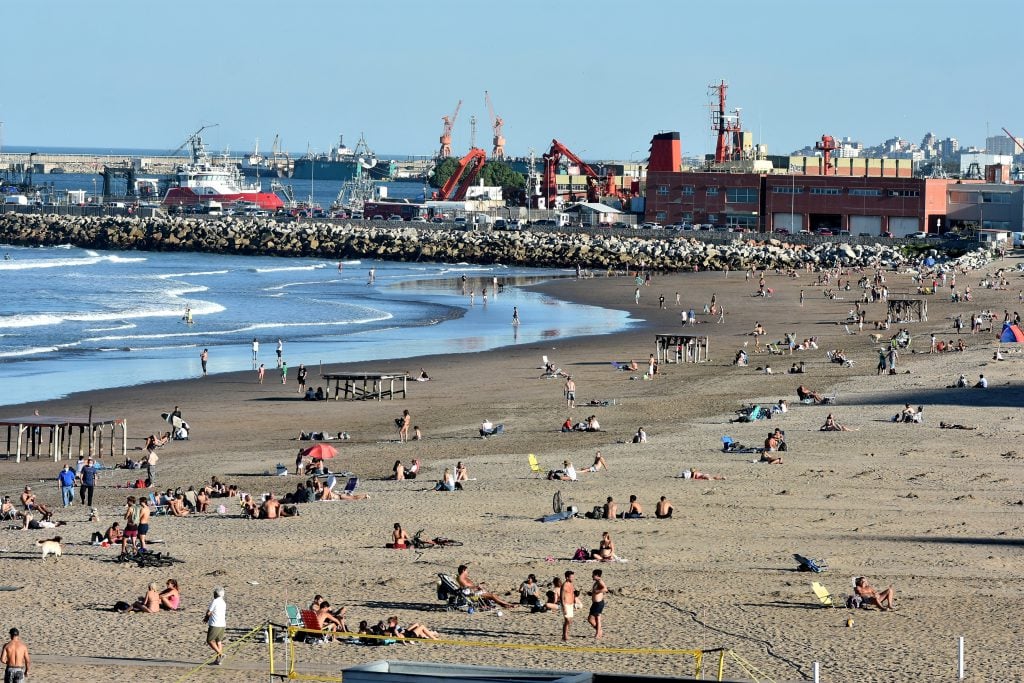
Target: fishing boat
202,180
343,163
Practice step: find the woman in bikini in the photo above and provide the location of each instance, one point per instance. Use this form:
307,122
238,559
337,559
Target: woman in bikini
170,597
605,549
399,539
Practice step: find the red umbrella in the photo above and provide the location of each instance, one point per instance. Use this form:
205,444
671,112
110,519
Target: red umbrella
322,451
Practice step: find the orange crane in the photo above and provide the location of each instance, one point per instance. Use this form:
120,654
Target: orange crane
446,135
456,187
497,123
549,187
1016,140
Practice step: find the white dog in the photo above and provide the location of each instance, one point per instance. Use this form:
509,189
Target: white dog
51,547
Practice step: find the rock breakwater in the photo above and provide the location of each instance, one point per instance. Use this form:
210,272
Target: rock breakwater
399,242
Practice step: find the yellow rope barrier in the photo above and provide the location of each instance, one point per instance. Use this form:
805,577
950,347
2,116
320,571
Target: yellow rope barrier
232,646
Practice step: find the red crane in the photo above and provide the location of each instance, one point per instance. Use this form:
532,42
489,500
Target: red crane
465,174
725,125
827,146
497,124
1016,140
552,159
446,134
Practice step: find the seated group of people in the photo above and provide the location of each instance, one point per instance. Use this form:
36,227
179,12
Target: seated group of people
634,510
155,600
590,424
315,489
452,481
317,395
909,414
400,472
945,347
330,619
269,508
321,436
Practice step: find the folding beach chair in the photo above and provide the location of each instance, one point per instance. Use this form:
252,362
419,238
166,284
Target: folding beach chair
310,622
823,595
294,617
534,465
351,485
157,508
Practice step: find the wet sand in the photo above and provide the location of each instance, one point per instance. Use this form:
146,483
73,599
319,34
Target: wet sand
932,511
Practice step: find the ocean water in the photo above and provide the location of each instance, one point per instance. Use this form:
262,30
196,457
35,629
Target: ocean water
75,319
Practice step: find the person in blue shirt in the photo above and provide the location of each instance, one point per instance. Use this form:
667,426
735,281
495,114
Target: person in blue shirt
66,477
88,482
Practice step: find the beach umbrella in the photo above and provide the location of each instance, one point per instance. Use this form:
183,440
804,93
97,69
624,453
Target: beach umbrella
322,451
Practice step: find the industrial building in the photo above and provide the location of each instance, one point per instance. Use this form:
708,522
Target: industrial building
793,202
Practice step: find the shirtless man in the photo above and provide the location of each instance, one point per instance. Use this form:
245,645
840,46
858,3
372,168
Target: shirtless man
177,506
29,502
567,600
611,509
15,658
883,600
327,620
144,513
663,510
478,588
635,509
570,393
599,463
597,595
271,508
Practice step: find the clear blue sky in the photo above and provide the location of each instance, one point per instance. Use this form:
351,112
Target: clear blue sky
600,76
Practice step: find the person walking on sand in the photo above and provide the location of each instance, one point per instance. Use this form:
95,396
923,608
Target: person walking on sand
261,373
66,479
15,659
567,600
403,426
284,372
203,358
570,392
300,376
255,351
216,623
597,596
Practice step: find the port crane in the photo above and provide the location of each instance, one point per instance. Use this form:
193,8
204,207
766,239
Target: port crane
549,182
192,140
1016,140
446,134
497,125
456,187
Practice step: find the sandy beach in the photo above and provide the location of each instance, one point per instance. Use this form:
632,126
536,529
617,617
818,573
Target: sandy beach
935,512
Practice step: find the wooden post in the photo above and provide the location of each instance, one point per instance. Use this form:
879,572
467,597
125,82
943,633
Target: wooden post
92,434
124,438
18,456
8,441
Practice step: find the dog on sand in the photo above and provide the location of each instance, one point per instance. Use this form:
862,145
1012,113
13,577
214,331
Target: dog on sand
51,547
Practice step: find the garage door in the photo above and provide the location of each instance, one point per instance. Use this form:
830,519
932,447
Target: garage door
872,225
789,221
901,227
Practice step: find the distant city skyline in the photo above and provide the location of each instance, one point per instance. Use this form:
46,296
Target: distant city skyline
602,80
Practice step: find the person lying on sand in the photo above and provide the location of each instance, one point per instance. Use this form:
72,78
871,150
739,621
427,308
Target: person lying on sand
599,463
832,426
884,600
413,630
697,474
947,425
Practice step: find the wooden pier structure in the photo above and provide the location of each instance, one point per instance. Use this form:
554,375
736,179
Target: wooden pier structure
682,348
60,439
359,386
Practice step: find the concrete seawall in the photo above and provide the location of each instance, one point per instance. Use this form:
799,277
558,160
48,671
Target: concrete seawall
400,242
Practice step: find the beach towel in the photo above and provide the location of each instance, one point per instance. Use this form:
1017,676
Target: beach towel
559,516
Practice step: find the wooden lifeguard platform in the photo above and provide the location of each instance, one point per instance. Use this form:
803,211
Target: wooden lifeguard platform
61,437
359,386
682,348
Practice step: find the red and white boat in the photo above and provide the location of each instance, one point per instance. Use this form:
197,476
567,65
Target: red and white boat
202,181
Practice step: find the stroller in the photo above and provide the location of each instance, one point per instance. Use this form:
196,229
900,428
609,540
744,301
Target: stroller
457,597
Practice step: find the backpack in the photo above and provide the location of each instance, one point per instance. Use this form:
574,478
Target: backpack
581,555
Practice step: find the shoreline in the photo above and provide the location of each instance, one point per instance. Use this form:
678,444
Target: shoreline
900,503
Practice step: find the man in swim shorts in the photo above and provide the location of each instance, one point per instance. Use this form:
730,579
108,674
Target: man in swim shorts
567,599
597,594
15,659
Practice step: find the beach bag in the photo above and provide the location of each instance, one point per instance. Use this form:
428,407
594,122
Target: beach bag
121,607
854,601
581,555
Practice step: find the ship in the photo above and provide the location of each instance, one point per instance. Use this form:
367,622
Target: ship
201,181
343,163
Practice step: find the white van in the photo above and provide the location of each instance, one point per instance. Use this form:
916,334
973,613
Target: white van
16,199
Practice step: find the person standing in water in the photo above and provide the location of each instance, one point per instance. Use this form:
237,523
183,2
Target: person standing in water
515,315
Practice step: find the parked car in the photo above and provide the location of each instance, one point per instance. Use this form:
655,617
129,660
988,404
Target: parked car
886,233
516,224
919,235
781,231
418,219
437,219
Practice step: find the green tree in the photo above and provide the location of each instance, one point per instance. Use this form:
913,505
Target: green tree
443,171
500,174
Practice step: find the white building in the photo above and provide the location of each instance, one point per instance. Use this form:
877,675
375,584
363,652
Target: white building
1004,145
983,159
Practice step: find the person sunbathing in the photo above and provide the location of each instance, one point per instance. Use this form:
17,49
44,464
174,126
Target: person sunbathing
832,426
610,510
632,367
413,630
697,474
399,539
663,510
271,508
398,471
150,603
592,424
177,506
170,597
770,458
29,502
568,473
884,600
605,551
327,620
249,508
804,394
478,589
599,463
947,425
635,510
